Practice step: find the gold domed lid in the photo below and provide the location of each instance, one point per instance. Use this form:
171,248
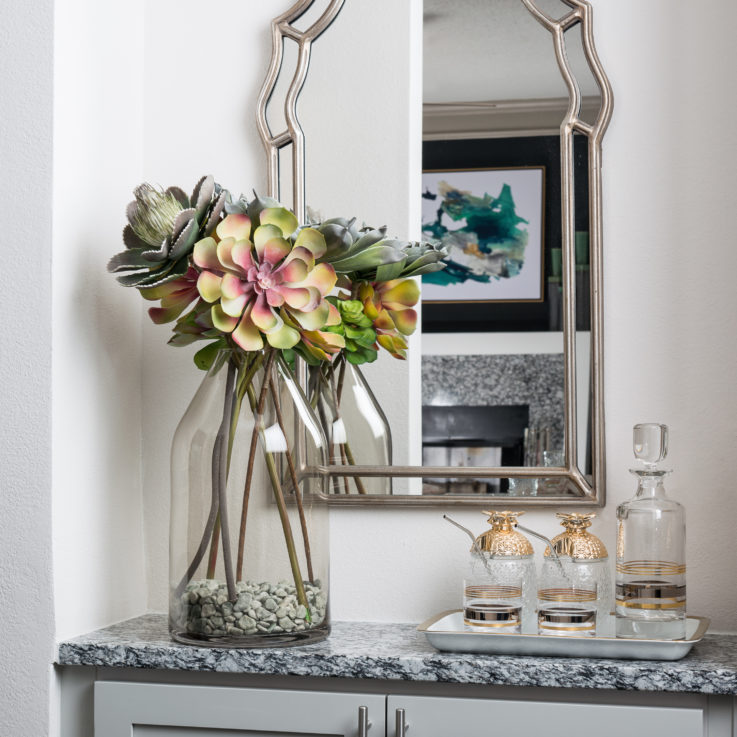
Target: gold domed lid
503,540
577,542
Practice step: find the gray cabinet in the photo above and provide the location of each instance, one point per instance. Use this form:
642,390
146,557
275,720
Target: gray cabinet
135,709
437,716
158,710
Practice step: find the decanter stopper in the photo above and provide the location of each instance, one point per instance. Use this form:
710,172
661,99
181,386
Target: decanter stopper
650,442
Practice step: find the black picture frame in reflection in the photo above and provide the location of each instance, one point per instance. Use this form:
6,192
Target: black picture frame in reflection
543,312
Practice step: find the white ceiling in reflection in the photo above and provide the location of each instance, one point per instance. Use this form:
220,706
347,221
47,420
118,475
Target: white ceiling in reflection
478,50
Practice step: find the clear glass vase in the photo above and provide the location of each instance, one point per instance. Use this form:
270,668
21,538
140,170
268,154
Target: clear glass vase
355,426
249,537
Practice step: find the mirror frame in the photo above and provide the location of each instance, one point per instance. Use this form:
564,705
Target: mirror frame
593,492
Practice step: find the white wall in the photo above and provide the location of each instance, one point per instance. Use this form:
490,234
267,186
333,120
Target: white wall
26,584
199,121
668,197
98,516
669,181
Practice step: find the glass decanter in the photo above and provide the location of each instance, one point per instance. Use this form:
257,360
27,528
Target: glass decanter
651,549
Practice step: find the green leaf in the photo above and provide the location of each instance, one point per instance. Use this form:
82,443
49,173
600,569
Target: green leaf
363,322
365,355
427,269
369,259
181,340
363,336
387,272
420,265
205,357
168,272
371,238
132,258
306,355
184,243
289,356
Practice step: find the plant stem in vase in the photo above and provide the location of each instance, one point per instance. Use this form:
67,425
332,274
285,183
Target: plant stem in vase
356,427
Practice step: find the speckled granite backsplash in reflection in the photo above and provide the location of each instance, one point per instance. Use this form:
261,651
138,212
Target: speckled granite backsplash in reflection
532,379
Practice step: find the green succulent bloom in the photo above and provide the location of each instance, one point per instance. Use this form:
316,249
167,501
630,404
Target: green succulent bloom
357,329
351,310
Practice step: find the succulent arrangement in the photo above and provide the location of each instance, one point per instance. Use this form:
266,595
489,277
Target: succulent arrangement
255,285
245,276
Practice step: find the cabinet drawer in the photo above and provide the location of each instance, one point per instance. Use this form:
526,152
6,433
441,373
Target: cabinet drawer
157,710
451,717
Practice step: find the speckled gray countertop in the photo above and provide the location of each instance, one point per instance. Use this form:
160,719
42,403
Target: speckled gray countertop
399,652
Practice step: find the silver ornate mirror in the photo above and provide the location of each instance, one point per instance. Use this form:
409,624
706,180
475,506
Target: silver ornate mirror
501,400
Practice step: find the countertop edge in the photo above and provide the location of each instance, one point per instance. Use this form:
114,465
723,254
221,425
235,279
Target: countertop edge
382,651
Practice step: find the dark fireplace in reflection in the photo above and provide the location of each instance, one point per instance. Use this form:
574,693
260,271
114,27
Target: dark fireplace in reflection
472,436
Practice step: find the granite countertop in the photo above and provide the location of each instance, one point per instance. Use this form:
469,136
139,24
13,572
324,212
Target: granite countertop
372,650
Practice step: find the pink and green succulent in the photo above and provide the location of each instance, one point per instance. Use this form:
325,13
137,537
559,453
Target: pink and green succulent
262,281
389,307
243,275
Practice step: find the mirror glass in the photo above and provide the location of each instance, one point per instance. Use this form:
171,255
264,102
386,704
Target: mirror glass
484,383
492,349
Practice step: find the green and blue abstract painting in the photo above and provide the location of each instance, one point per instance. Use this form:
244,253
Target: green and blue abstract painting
490,222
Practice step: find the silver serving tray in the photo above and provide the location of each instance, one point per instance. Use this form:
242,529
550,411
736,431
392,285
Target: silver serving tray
447,632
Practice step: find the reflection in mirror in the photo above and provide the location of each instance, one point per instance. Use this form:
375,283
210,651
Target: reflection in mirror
497,372
493,365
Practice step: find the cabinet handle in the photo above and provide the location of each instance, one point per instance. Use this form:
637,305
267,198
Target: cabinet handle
401,723
363,721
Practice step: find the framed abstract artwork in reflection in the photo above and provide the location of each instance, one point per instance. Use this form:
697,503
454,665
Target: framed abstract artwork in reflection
491,223
495,204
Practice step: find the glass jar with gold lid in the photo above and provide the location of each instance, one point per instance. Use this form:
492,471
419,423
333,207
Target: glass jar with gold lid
582,559
499,587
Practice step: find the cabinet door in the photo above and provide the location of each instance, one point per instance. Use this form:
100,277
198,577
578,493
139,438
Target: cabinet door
451,717
156,710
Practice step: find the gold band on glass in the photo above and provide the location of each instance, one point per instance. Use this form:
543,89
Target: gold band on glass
493,592
569,595
651,568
